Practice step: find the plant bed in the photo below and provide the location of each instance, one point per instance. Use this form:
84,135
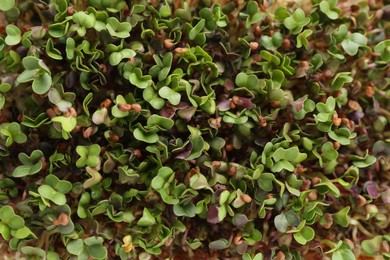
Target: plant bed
195,129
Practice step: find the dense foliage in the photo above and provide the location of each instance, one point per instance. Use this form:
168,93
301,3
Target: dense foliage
207,129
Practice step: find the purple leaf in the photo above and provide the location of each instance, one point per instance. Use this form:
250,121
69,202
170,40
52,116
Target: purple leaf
224,105
186,152
212,215
371,189
187,113
168,112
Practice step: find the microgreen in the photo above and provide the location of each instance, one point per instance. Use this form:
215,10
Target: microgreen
194,129
296,21
89,155
31,164
11,132
37,72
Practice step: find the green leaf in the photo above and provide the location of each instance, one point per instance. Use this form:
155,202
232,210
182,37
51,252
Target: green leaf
5,231
13,35
7,5
96,177
8,216
97,251
281,222
353,42
197,29
75,247
341,135
22,233
328,8
343,254
147,219
51,51
219,244
304,235
136,78
188,210
33,251
341,217
372,246
116,57
383,48
83,19
49,193
162,122
172,96
118,29
67,123
42,84
142,135
152,98
297,21
198,181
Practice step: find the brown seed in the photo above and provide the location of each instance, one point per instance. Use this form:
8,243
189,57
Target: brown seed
76,129
114,138
246,198
353,105
67,114
286,43
304,64
336,120
180,50
232,105
72,112
315,180
168,43
137,153
237,240
269,196
71,10
299,169
336,145
216,164
124,107
361,200
312,196
106,103
57,110
87,132
306,185
62,220
50,113
385,246
216,122
280,256
136,108
275,104
103,68
327,74
345,121
257,31
263,123
229,147
254,46
232,170
370,91
236,100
